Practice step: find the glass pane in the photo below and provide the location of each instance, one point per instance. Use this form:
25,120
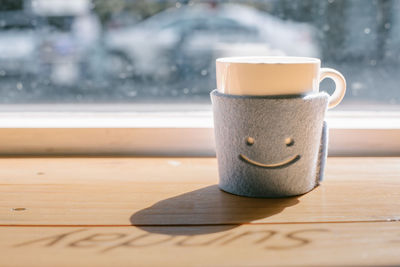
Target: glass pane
153,51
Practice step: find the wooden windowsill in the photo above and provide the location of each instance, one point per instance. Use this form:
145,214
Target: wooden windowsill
121,211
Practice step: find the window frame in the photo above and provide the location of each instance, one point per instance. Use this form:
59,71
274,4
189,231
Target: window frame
172,133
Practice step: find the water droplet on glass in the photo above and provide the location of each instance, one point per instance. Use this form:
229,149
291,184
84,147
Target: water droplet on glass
185,90
357,86
367,30
326,28
132,93
20,86
178,5
387,25
204,72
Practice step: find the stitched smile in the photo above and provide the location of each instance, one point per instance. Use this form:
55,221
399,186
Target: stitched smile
274,165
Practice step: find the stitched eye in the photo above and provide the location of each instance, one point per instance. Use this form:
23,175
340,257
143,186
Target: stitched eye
249,141
289,141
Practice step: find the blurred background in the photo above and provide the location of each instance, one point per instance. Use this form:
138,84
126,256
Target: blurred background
151,51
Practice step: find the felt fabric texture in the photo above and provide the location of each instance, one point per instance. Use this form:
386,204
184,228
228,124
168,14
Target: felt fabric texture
323,154
270,146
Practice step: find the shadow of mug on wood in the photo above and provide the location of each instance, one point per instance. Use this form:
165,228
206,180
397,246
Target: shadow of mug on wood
207,208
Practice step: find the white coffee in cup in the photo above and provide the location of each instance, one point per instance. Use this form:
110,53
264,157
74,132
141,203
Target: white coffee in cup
276,76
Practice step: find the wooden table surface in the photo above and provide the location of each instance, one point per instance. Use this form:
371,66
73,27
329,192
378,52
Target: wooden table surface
170,212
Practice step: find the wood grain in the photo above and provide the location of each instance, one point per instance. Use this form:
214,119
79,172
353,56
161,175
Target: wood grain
183,191
80,211
348,244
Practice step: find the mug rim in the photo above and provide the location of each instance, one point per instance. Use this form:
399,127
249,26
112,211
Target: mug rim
269,60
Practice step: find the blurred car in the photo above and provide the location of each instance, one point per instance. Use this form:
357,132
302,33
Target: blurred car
188,39
65,46
18,44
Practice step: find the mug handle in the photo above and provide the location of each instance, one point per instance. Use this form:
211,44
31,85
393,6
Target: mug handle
340,85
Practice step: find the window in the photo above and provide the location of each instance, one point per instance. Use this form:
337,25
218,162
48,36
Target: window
107,57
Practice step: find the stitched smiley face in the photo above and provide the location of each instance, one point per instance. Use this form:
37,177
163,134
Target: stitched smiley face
250,141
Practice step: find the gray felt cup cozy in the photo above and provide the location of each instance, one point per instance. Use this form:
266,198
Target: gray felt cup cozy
270,146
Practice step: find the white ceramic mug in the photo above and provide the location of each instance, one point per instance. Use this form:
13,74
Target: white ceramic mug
276,76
